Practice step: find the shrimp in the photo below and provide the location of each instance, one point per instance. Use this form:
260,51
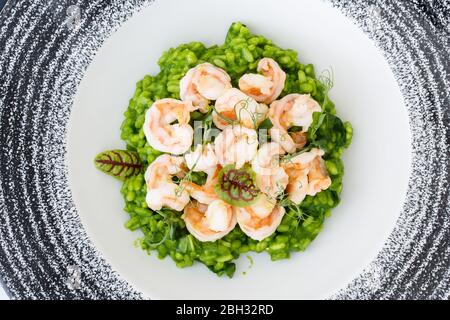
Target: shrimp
266,86
203,158
267,158
273,184
300,139
297,187
236,106
261,219
209,222
307,175
318,177
290,142
204,194
164,136
292,110
161,190
203,83
271,179
236,145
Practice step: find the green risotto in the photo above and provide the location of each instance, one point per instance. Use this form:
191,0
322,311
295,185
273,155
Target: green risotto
164,231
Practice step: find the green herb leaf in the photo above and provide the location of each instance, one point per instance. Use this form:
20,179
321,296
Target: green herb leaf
327,132
120,164
266,124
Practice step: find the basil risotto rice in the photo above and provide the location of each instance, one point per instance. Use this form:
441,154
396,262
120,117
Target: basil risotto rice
164,231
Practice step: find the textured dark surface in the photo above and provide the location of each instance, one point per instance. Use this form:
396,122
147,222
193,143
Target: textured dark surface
415,262
42,59
40,66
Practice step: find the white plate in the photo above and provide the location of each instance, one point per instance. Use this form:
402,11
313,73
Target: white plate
365,93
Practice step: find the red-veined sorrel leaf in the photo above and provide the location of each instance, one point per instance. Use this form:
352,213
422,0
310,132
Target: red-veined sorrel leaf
237,186
120,164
